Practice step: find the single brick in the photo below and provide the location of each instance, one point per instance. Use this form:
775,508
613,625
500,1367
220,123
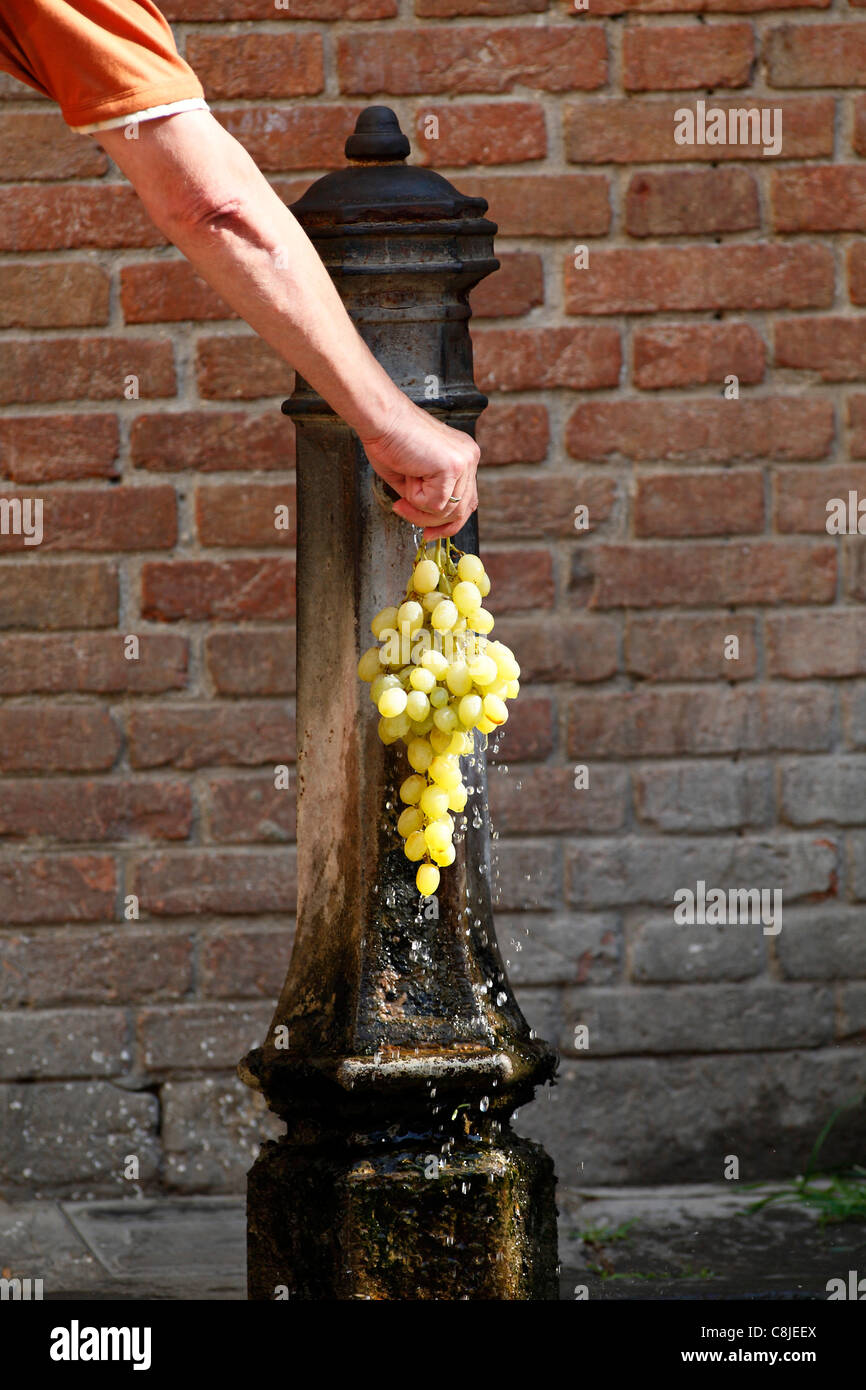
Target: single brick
709,573
802,646
515,288
93,662
237,366
246,963
701,431
52,596
537,204
212,441
72,811
509,359
57,888
646,279
52,448
831,198
699,504
676,723
465,58
228,589
246,514
252,663
697,355
815,790
243,65
833,348
252,810
562,649
640,130
704,796
507,132
689,202
75,369
519,508
206,1036
199,882
686,648
118,518
544,800
62,1042
670,58
512,433
650,869
57,738
191,736
40,145
57,295
94,967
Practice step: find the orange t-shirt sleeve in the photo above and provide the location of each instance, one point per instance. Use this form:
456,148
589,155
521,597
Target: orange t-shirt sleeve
98,59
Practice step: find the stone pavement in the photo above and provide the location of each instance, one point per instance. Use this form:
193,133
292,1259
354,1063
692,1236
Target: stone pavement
690,1242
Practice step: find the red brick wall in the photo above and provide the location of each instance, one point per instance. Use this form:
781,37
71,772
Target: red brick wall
707,516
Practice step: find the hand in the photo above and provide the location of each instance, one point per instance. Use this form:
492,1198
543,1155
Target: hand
427,463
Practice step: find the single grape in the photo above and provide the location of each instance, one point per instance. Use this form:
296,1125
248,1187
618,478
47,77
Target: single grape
409,821
422,679
498,687
384,681
397,725
438,697
444,857
486,725
437,835
470,567
369,666
445,773
425,577
420,755
427,880
439,740
467,597
434,661
392,702
411,789
494,709
483,585
460,744
429,601
504,659
483,670
434,801
457,798
444,616
446,719
416,846
384,734
420,727
417,705
469,710
411,613
386,617
458,679
481,621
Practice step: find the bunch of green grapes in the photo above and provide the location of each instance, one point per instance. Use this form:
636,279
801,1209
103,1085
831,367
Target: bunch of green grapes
434,678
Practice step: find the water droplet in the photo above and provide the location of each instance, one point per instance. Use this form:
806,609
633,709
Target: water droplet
484,1103
501,998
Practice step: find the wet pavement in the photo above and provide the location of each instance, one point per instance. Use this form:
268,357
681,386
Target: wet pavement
615,1243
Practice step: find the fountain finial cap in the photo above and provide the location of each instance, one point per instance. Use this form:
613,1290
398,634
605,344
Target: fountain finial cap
377,135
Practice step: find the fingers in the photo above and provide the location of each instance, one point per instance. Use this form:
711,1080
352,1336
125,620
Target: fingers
418,517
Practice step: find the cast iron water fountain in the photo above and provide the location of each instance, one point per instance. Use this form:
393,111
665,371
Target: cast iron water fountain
397,1053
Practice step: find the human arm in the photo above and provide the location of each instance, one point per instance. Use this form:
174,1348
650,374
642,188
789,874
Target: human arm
206,194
